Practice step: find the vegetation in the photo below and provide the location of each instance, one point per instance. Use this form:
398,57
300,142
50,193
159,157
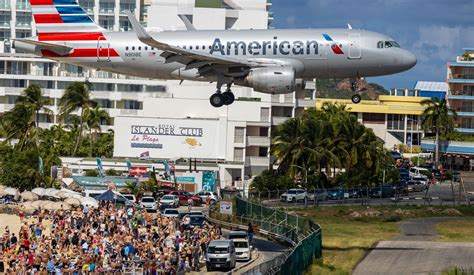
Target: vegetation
326,143
438,118
455,231
350,232
28,152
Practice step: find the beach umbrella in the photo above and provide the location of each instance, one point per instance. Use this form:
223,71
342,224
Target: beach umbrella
38,191
51,192
91,202
73,201
11,191
28,208
29,196
60,205
62,195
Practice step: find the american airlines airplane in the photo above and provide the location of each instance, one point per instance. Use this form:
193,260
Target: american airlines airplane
269,61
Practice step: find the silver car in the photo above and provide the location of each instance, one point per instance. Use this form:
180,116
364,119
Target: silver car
220,255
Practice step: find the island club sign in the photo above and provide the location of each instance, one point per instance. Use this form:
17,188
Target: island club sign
147,136
167,130
167,138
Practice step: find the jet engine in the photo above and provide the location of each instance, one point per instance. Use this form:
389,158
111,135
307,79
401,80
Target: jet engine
273,80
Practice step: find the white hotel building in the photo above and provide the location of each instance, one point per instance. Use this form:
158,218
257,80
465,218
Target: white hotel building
248,121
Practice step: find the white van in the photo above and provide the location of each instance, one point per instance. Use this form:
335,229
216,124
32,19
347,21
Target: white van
242,249
418,172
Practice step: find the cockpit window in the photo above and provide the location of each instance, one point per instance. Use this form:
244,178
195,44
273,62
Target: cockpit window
395,44
387,44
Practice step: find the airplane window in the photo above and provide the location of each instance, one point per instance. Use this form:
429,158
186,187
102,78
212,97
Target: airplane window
395,44
139,48
190,47
210,47
152,48
184,47
197,47
146,48
380,45
388,44
133,48
126,48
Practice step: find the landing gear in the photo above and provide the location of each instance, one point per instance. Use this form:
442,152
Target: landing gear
220,99
217,100
356,99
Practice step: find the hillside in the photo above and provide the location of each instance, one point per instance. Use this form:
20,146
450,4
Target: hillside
341,89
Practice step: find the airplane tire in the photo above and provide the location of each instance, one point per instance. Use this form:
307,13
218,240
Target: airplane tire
356,99
228,98
217,100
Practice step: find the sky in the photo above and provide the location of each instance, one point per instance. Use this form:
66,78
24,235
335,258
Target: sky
436,31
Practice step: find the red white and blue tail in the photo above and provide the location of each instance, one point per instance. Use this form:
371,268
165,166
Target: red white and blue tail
65,17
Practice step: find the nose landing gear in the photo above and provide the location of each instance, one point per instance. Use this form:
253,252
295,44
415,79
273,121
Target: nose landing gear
219,99
356,98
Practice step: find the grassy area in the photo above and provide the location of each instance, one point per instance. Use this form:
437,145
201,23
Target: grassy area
349,232
456,231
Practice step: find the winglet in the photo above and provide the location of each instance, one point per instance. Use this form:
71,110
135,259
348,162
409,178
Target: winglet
349,26
187,23
139,30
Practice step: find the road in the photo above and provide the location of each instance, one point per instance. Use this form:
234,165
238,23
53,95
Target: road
266,249
414,252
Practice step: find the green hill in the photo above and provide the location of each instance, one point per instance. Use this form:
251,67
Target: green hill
341,89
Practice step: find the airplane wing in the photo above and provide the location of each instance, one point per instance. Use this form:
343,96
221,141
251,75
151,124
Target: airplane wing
57,48
192,59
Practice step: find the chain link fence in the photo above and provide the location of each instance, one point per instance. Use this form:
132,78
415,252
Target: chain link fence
446,193
304,234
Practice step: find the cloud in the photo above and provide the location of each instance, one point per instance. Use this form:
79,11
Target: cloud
434,30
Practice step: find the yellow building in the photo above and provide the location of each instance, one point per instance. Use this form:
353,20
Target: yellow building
395,118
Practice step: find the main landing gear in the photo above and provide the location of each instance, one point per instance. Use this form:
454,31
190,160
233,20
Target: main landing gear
220,99
356,98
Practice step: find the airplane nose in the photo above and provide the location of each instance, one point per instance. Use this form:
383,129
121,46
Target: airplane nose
409,60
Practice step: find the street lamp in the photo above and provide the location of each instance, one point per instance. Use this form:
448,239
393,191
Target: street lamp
305,181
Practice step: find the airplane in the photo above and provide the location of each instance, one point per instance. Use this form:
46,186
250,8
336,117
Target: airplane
273,61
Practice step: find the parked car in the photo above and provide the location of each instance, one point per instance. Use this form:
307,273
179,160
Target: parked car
422,180
220,254
169,201
184,196
418,171
382,191
197,221
130,197
169,212
149,203
336,194
242,249
196,213
213,197
294,195
320,195
415,186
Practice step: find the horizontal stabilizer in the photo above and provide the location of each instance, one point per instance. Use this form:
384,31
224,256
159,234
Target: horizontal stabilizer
57,48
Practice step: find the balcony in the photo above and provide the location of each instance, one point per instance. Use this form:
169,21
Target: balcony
106,11
258,141
257,161
5,24
5,6
305,103
23,25
23,6
277,120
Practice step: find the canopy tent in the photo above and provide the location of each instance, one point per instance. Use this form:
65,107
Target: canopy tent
111,196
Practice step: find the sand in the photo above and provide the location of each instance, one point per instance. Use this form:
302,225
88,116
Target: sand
13,221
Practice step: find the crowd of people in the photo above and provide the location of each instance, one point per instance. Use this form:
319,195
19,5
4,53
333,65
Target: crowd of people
108,239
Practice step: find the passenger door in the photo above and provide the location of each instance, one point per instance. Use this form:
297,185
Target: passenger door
103,50
354,46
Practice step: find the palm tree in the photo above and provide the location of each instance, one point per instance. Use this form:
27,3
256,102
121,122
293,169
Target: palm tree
437,116
76,97
94,118
34,100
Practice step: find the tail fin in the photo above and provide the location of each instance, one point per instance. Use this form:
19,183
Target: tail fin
57,17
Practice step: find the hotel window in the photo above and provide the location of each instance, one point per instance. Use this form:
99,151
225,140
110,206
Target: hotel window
395,122
238,154
239,135
373,118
